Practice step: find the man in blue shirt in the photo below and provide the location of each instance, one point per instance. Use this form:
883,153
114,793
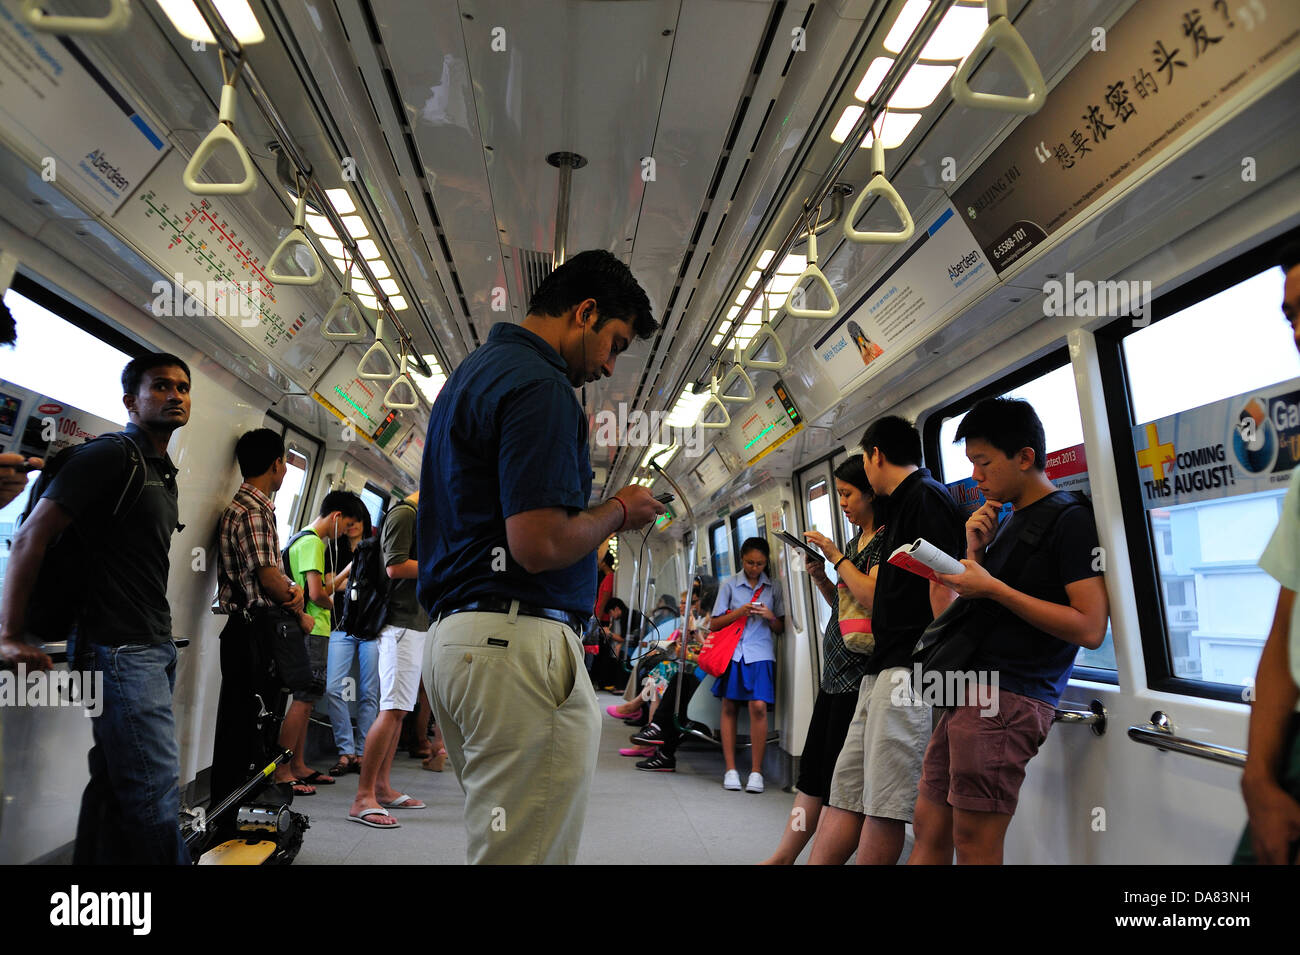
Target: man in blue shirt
507,564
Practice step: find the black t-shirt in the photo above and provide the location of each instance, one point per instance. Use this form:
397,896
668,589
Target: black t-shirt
126,561
1027,660
919,507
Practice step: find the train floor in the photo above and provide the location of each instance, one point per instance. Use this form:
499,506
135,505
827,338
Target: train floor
683,818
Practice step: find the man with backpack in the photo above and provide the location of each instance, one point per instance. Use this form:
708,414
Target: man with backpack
1051,600
91,561
304,562
257,596
401,657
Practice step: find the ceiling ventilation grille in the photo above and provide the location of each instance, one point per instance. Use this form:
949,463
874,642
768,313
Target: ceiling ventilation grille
531,268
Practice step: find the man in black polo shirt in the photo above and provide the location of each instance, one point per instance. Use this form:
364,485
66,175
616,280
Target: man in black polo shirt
873,791
508,565
131,805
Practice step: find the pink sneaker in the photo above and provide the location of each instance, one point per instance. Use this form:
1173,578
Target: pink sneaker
637,751
614,711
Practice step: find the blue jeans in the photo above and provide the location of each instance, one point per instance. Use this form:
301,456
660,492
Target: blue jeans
131,807
342,647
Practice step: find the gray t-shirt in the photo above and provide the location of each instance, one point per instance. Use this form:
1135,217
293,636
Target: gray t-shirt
398,542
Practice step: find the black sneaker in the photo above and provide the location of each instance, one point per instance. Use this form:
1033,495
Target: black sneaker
659,763
652,735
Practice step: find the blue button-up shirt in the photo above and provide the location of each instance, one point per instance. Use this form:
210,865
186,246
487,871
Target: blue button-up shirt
757,643
506,435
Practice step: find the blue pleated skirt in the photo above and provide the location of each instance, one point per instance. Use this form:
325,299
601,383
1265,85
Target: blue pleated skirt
747,681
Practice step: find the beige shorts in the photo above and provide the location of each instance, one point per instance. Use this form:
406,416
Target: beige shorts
879,767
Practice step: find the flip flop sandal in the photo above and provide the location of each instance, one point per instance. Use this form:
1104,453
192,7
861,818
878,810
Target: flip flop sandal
404,802
361,817
341,768
317,778
298,787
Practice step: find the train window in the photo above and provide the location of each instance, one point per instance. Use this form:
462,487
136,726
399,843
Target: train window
744,525
289,498
373,499
720,550
1217,603
1048,385
820,500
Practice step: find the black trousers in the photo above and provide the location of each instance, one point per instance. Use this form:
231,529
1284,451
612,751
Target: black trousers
672,736
240,747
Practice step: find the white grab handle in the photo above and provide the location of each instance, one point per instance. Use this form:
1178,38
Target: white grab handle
818,278
737,373
345,308
402,379
297,237
223,132
709,404
118,16
380,350
765,332
878,185
1000,34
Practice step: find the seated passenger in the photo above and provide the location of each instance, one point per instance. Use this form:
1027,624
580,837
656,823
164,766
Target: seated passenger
845,664
1271,779
1049,603
750,678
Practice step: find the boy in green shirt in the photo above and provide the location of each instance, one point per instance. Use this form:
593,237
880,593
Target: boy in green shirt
340,513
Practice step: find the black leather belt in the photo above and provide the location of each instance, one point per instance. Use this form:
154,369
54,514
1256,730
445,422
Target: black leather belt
499,605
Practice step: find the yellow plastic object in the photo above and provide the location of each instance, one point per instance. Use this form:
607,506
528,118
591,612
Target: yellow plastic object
737,373
818,278
238,852
765,333
1001,35
296,237
878,185
379,351
714,402
402,379
117,18
223,132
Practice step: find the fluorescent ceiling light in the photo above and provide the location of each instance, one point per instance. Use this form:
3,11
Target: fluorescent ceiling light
429,387
369,251
780,285
792,264
921,84
733,311
905,25
957,33
740,299
389,286
753,278
872,79
356,227
724,328
379,268
334,248
369,301
321,226
765,258
398,302
717,340
687,408
341,200
239,18
655,449
897,127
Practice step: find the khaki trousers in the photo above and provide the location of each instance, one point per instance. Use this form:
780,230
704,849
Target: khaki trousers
522,729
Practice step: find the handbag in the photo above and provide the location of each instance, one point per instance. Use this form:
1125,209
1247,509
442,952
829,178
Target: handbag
855,631
952,639
278,629
720,647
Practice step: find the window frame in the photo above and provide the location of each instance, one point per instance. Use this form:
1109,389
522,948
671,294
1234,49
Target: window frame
49,296
734,519
720,523
1118,399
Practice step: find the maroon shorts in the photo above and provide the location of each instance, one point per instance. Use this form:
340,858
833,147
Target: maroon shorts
978,762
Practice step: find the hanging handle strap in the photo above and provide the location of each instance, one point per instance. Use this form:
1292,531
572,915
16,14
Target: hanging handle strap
1001,35
737,373
878,185
818,278
378,352
223,132
390,398
117,18
296,239
765,333
714,402
345,309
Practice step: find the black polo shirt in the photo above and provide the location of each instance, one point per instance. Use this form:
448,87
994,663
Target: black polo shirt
919,507
124,577
506,435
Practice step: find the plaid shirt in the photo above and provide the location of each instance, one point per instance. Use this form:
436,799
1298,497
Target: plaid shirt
247,540
843,669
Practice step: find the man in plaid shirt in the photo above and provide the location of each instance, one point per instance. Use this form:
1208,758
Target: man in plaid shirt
252,585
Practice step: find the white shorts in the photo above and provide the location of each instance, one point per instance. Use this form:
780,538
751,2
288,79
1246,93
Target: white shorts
401,654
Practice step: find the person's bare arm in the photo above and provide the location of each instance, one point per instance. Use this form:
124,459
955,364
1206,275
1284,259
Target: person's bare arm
280,588
316,590
47,520
550,538
405,570
1274,815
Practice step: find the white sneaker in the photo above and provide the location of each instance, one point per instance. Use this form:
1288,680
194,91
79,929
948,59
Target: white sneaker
731,780
755,784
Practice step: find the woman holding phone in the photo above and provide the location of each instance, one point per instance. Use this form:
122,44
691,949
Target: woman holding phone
750,678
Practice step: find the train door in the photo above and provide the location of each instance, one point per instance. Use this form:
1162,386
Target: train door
293,500
818,507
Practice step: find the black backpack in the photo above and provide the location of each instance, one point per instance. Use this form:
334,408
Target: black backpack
284,554
54,605
364,610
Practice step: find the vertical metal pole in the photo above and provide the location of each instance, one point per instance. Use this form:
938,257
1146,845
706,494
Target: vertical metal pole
566,162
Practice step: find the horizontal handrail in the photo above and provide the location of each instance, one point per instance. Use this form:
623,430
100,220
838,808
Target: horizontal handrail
1160,734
